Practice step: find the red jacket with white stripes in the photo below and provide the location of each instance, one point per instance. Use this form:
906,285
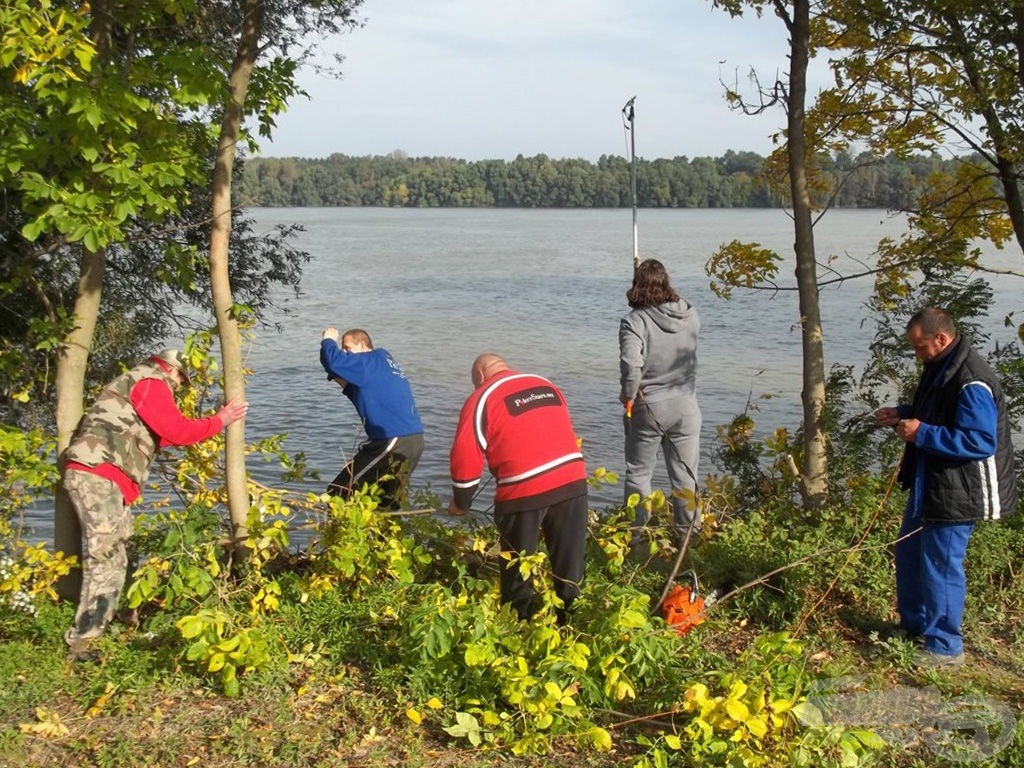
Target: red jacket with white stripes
519,424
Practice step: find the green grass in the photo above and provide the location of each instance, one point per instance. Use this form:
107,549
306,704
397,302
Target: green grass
342,674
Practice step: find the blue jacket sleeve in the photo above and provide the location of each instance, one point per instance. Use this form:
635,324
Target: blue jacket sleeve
973,434
341,364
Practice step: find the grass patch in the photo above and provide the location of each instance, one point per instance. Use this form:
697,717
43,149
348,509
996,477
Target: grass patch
385,644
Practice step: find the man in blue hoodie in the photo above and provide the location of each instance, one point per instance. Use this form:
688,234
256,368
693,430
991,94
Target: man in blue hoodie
958,468
380,392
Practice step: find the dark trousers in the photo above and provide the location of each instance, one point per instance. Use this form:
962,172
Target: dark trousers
564,525
388,463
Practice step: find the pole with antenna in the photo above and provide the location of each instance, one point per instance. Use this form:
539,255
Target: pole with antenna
627,124
629,127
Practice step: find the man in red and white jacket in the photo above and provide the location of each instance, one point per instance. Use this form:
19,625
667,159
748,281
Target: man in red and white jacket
519,424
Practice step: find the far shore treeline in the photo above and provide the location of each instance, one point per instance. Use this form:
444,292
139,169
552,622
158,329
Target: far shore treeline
734,180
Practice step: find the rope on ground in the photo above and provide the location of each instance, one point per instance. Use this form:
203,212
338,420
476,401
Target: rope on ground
850,553
802,561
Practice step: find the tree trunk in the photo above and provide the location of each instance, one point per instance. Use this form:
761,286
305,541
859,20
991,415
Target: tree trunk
70,385
1005,153
814,480
220,234
73,359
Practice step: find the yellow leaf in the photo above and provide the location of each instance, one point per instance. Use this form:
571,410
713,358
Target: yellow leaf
781,705
101,701
623,690
757,726
686,495
697,693
737,690
737,710
413,715
48,726
434,703
491,719
600,738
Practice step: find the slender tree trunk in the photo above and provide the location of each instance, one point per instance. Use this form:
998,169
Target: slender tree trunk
220,234
70,385
814,480
1009,174
73,359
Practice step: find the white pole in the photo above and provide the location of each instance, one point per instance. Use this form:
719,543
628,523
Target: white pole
628,115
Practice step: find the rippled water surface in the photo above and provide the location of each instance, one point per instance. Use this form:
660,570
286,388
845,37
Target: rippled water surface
546,289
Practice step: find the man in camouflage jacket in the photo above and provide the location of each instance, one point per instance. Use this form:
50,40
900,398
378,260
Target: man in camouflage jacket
107,463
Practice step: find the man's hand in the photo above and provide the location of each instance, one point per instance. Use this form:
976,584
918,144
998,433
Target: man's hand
233,410
907,429
455,511
887,417
330,333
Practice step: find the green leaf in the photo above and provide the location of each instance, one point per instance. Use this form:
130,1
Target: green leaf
190,627
31,230
91,240
808,714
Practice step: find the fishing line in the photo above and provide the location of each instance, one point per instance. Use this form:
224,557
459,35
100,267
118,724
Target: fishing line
664,433
684,534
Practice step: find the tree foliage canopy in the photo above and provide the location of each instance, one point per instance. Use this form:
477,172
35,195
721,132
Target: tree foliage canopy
734,180
109,111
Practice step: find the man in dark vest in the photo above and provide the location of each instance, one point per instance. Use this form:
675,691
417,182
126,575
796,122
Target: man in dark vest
958,468
108,462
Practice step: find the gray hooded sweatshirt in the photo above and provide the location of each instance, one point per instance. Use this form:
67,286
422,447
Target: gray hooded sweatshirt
658,351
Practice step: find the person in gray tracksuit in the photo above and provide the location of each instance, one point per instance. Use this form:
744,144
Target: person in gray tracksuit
658,374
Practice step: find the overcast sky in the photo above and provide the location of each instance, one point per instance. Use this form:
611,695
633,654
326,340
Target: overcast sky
483,79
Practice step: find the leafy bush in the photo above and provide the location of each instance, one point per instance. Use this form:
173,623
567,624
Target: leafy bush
27,470
28,574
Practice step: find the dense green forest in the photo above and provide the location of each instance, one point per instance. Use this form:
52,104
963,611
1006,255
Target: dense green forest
734,180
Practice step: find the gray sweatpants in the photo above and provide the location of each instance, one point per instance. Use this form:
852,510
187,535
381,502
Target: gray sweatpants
673,425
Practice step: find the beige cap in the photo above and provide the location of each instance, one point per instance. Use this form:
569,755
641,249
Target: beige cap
173,358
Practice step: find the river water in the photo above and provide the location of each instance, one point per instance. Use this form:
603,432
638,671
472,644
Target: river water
545,289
